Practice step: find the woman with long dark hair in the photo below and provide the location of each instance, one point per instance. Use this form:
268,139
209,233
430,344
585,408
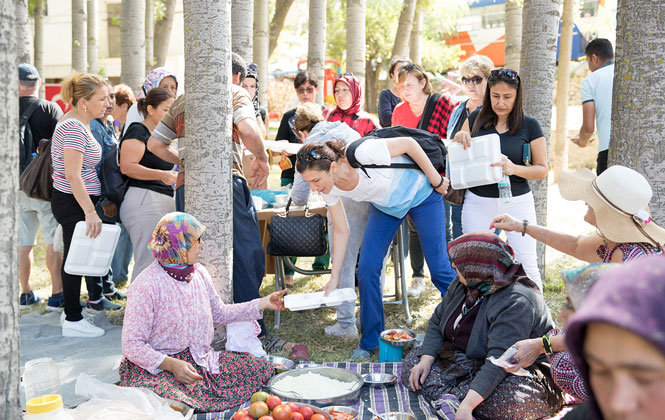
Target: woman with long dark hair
502,113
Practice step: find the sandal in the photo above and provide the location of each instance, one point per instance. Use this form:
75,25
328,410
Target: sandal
272,343
299,353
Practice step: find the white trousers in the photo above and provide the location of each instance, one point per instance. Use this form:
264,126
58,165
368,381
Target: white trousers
478,212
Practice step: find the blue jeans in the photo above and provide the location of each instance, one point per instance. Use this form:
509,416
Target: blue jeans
122,257
429,219
454,221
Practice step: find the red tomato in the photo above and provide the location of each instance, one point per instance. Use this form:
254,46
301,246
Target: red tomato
317,417
273,401
266,418
306,412
282,412
294,406
241,415
297,416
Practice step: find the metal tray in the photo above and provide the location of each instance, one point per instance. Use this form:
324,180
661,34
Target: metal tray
348,398
398,343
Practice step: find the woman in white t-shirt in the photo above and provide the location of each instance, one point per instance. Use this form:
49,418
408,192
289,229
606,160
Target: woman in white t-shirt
393,193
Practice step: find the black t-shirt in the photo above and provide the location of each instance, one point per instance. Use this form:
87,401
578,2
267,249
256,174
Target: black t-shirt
512,147
287,132
140,132
43,120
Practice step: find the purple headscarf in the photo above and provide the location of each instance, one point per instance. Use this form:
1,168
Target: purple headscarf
154,79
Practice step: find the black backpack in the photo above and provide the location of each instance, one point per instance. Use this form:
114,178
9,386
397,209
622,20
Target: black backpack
27,141
430,143
114,183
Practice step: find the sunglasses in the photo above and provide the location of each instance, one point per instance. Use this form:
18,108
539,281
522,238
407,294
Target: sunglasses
342,76
504,74
311,155
476,80
309,89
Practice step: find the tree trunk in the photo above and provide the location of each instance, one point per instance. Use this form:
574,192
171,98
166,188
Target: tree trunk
9,311
93,35
149,35
371,91
560,157
242,17
277,23
401,45
79,38
513,41
316,52
415,41
261,42
22,28
638,101
38,16
209,191
132,65
539,33
355,39
163,33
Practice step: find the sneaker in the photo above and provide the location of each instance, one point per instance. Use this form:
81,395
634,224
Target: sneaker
28,299
360,354
338,330
103,305
85,315
55,304
417,287
84,328
117,295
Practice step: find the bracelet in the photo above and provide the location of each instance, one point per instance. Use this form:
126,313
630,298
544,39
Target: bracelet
440,183
92,212
547,344
525,223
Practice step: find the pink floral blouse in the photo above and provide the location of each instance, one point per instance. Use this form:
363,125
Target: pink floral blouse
164,316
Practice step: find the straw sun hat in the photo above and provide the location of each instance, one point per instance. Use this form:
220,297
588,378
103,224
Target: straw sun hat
619,198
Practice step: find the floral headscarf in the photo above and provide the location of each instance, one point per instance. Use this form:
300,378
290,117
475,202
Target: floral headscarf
487,264
173,237
253,72
154,79
356,92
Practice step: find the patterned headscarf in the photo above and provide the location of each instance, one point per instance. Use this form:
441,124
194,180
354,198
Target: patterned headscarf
253,72
487,264
629,296
173,237
356,93
154,79
579,280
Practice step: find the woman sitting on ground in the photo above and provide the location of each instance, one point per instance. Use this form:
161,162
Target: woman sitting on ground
617,206
168,326
490,305
394,194
349,99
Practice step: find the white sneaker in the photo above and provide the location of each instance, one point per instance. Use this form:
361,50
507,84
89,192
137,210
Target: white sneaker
86,315
84,328
338,331
417,287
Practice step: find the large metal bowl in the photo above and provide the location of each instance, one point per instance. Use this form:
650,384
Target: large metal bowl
347,398
281,364
397,343
344,409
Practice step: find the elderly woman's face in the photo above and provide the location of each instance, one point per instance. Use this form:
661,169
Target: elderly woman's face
343,96
194,253
169,83
626,373
474,85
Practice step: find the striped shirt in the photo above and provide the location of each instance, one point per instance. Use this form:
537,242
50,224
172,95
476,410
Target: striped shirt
73,134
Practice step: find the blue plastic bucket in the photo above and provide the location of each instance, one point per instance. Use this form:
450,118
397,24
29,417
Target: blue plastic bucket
389,353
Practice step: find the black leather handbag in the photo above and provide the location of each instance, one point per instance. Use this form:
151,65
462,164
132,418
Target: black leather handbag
297,236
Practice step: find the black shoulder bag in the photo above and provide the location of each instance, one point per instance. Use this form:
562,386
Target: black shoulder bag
297,236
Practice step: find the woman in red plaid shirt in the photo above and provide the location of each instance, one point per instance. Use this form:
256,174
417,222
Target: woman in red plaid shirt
349,99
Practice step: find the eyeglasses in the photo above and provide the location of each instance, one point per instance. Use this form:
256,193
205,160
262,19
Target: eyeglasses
476,80
311,155
505,74
302,90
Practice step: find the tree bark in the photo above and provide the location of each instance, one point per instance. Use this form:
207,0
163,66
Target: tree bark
355,39
513,40
277,23
93,35
9,311
79,37
149,35
22,28
560,157
316,52
401,45
261,45
242,17
638,101
539,34
415,41
38,16
132,65
209,191
371,82
163,33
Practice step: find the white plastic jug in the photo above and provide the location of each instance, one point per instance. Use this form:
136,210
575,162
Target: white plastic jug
46,407
41,378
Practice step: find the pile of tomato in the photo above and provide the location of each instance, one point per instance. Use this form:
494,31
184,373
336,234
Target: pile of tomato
270,407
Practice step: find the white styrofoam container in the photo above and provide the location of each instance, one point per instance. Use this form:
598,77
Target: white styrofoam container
92,257
471,167
315,300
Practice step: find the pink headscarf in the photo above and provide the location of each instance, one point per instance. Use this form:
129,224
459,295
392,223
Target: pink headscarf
154,79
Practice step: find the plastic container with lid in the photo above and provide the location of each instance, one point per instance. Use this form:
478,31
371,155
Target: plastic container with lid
92,256
40,378
472,167
46,407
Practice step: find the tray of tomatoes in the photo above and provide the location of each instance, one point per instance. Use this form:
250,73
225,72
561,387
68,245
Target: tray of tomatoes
270,407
